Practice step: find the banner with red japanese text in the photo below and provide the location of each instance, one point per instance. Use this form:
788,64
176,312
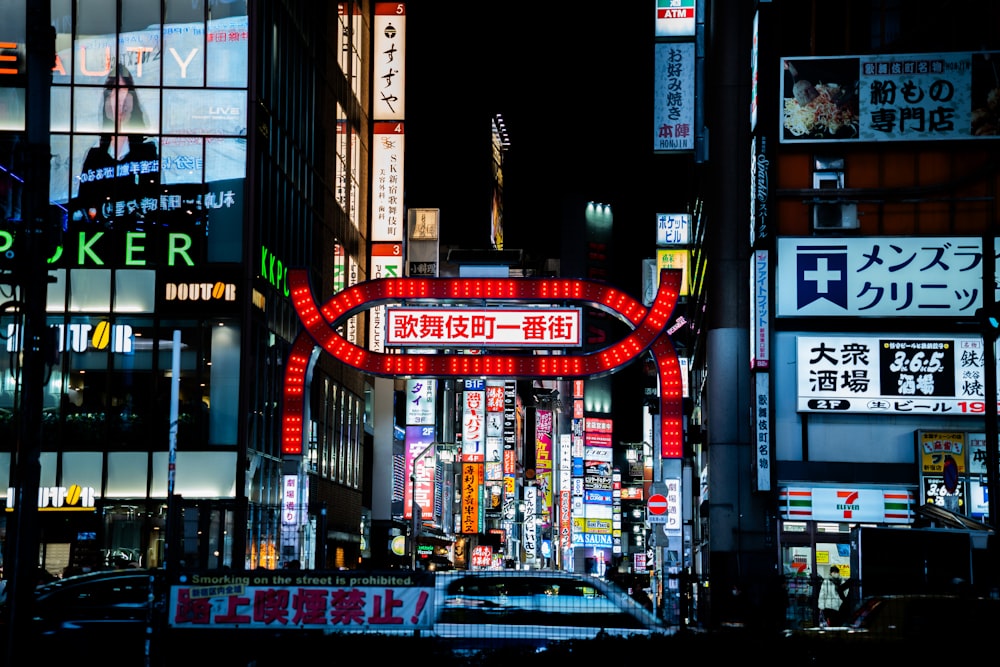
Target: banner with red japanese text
472,498
474,421
543,461
300,600
466,326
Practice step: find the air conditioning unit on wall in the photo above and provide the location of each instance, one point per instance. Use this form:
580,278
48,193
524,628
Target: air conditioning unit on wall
835,215
832,215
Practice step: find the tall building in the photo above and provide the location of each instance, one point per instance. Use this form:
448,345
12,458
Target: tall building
853,187
199,151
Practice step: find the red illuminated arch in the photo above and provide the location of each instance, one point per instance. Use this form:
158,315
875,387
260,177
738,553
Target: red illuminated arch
320,329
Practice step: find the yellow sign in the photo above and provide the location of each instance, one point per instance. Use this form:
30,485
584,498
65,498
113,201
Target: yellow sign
673,258
60,498
936,447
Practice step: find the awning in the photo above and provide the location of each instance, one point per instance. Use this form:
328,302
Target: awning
947,518
427,536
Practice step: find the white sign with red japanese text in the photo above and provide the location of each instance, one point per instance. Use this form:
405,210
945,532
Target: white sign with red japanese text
673,494
483,327
290,508
879,276
891,374
299,600
482,555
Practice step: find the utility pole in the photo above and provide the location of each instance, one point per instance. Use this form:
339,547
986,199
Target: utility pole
989,328
32,275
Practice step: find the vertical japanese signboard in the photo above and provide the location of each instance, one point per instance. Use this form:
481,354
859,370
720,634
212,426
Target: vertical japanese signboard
474,421
530,530
472,505
509,453
762,431
673,97
387,182
420,403
543,462
386,262
760,299
493,465
420,466
388,58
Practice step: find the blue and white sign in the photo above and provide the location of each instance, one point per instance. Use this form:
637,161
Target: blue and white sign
596,540
879,276
673,229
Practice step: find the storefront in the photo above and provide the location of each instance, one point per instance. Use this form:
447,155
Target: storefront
815,534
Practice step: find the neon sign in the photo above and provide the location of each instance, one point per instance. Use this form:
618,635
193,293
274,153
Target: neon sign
649,331
89,249
483,327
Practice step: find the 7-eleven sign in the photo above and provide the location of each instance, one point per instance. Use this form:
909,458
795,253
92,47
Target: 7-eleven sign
862,504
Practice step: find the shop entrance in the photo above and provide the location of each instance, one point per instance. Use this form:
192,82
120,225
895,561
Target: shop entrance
808,550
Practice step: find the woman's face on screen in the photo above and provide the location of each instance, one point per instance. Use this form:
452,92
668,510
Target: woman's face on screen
118,104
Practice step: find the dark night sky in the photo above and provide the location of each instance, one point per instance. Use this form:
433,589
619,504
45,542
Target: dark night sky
575,87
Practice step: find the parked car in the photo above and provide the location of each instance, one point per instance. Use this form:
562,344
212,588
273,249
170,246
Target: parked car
535,607
81,617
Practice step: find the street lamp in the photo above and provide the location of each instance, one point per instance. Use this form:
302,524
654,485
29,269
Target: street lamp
413,504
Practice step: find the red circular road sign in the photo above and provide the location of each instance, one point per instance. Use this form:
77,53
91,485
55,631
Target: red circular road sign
657,504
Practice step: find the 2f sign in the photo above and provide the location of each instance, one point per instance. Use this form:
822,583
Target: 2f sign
673,229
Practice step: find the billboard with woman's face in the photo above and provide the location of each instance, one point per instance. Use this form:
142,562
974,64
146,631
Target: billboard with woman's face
148,124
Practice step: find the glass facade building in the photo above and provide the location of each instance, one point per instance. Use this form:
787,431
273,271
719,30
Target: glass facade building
199,149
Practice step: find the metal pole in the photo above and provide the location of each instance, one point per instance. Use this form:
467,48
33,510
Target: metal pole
175,383
990,379
413,505
35,232
321,541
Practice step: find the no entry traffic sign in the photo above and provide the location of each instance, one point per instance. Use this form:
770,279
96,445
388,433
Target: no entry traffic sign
657,504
